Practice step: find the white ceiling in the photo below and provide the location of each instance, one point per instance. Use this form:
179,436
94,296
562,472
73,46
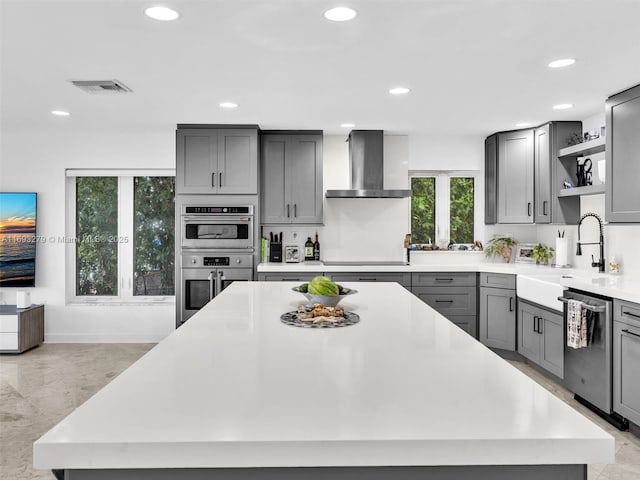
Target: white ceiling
474,66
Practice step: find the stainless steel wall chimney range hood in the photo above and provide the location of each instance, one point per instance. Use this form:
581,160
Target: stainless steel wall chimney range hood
367,167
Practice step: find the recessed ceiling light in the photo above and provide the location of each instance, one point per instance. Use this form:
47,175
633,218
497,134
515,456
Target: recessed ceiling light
347,125
60,113
399,90
228,105
563,62
340,14
164,14
523,124
563,106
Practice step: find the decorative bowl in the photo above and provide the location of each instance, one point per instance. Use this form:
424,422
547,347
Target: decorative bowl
326,300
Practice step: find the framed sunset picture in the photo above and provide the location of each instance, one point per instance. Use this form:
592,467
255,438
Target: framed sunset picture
17,239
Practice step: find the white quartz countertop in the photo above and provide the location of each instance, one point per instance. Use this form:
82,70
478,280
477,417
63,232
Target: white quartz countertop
235,387
611,285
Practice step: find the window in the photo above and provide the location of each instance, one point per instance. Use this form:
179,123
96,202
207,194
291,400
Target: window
443,207
120,236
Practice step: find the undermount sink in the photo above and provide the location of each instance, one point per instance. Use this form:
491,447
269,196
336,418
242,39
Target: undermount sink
541,289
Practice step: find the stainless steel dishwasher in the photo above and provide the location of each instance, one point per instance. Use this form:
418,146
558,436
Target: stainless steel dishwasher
588,371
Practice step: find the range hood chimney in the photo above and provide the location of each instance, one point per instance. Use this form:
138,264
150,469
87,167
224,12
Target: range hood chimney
367,167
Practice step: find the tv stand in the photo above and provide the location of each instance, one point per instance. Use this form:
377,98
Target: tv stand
21,328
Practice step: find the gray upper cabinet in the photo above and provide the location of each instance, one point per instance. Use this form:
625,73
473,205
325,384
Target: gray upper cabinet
217,160
498,311
491,180
291,189
622,198
515,177
550,173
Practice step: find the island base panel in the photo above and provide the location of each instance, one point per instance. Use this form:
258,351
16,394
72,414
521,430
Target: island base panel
475,472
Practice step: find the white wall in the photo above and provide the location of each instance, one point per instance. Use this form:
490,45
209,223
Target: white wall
37,162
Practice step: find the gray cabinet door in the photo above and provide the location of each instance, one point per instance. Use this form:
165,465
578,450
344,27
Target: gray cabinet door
403,279
288,277
528,336
542,175
622,198
291,178
468,323
515,177
449,300
237,161
491,180
498,318
196,161
274,194
626,365
306,195
552,343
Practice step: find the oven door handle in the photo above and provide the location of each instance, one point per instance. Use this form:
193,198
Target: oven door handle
219,278
212,286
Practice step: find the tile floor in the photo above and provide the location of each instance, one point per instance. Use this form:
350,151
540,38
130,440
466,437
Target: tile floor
42,386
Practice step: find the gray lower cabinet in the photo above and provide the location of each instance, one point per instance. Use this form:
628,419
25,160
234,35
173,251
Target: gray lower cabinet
626,360
216,160
515,177
291,178
453,294
622,197
288,277
403,279
541,337
497,316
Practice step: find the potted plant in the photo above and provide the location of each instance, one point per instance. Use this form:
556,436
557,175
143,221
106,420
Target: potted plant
502,246
542,253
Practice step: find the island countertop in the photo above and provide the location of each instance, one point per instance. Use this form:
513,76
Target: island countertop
236,387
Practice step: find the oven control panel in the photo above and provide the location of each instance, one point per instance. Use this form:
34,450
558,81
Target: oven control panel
211,260
218,210
215,261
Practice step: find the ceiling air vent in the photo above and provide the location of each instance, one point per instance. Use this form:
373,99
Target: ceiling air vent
101,86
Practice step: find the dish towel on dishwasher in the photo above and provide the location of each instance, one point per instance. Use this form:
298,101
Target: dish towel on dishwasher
576,324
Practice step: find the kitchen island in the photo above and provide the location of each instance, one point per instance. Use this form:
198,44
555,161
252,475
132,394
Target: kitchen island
236,393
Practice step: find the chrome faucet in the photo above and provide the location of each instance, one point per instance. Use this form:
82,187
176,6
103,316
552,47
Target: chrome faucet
600,262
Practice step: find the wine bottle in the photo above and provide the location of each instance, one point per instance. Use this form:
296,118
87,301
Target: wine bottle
316,249
308,250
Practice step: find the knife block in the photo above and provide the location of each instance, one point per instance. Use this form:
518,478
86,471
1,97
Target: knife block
275,252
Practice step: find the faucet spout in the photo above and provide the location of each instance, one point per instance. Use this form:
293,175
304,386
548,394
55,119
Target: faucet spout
600,262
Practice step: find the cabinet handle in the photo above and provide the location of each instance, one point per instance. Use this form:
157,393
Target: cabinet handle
540,325
511,304
288,211
213,179
630,333
528,209
444,301
535,324
220,181
295,209
370,279
544,208
631,314
444,279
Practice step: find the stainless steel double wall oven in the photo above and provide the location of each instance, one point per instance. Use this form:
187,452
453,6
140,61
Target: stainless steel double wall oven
216,249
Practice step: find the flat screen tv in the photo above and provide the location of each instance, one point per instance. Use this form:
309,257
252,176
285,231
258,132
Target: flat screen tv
17,239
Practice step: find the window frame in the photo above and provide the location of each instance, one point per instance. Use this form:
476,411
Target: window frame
125,250
443,201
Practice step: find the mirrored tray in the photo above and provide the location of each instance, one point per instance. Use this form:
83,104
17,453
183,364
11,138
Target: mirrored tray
291,318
